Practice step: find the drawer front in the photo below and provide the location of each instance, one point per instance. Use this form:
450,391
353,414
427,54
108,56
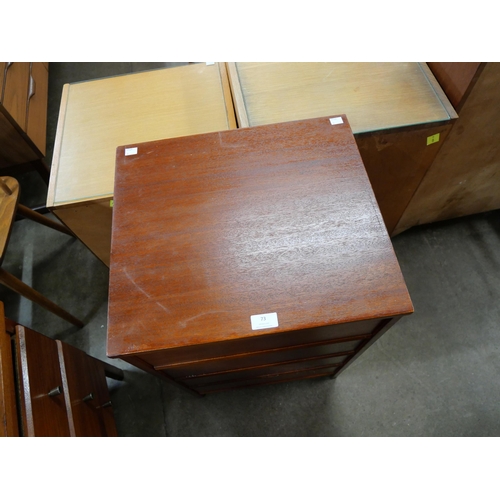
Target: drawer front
263,342
270,379
276,369
297,353
43,405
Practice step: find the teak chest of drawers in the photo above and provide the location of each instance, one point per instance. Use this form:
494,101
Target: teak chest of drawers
97,116
249,256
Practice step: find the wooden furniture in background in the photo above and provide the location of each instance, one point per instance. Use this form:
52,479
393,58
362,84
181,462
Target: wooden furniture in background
9,206
464,178
398,113
62,391
23,117
456,79
250,256
97,116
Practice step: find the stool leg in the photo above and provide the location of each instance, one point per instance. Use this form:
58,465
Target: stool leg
23,289
36,217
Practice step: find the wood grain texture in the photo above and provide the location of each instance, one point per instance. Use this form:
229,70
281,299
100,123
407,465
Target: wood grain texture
9,426
464,178
278,218
39,373
456,79
374,96
103,114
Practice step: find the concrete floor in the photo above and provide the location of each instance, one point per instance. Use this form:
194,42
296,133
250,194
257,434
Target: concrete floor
436,373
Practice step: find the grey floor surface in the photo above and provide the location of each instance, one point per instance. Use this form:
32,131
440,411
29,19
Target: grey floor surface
436,373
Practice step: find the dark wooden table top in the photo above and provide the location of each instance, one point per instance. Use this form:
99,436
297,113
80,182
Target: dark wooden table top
213,232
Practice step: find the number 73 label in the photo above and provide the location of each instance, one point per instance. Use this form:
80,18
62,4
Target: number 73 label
262,321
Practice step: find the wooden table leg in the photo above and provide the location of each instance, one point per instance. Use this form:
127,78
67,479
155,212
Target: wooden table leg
36,217
15,284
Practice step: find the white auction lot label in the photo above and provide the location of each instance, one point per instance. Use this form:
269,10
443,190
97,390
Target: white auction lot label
261,321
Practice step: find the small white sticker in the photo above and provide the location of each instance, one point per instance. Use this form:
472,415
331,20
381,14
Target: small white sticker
130,151
261,321
210,63
336,121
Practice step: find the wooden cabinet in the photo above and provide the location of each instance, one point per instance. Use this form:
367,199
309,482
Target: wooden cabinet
249,256
464,178
23,115
98,116
61,390
398,113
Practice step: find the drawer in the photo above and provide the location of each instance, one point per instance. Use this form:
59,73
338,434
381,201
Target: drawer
270,379
263,342
248,373
255,360
41,387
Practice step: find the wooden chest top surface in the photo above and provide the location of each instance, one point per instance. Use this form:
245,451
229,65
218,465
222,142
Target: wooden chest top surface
212,229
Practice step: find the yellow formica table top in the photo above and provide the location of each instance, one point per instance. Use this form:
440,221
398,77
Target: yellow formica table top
374,96
97,116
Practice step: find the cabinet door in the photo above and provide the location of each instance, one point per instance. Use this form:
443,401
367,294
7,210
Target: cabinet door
43,407
36,123
86,393
16,77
